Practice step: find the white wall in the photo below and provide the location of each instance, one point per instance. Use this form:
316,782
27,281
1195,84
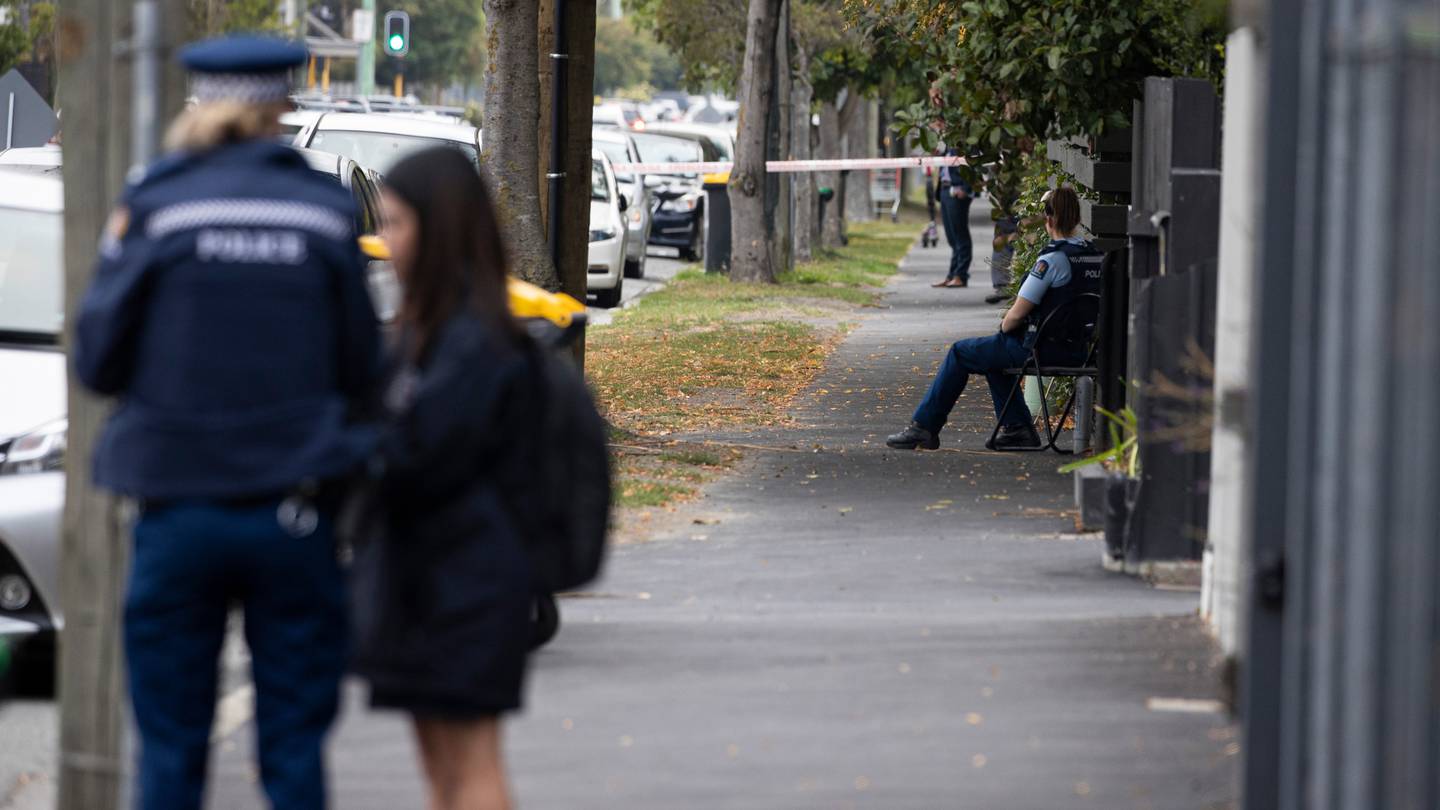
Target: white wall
1226,563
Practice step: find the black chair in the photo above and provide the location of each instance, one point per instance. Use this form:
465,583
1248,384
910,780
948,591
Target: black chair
1065,347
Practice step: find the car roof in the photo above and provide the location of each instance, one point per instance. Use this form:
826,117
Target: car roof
610,135
32,188
680,128
397,125
47,155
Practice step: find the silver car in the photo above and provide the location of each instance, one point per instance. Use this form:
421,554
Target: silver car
32,412
619,146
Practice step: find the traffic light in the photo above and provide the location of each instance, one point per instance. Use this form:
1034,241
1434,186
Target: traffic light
397,33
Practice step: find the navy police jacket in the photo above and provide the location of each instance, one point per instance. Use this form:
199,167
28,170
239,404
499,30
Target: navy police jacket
230,317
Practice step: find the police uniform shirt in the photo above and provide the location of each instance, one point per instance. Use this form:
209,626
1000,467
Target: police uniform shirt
1051,270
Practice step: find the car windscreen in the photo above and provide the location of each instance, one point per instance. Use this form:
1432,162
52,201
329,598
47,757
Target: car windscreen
599,189
381,150
617,154
31,273
663,149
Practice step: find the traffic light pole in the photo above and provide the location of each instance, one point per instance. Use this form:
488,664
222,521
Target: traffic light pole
365,62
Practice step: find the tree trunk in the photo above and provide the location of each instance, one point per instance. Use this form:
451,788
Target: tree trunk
750,244
832,228
512,117
860,143
805,224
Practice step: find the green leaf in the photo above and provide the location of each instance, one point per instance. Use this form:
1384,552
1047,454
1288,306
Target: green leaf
1055,53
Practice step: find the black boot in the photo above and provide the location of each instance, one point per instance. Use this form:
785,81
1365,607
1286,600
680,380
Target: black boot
997,296
914,437
1015,437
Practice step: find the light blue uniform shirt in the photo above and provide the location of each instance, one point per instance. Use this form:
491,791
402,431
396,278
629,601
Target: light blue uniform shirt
1050,270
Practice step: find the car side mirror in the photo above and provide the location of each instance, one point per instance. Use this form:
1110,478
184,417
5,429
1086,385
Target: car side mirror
624,203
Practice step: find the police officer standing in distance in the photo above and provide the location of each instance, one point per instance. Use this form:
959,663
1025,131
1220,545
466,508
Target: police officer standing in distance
229,317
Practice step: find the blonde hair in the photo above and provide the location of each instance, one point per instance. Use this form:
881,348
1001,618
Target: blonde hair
206,126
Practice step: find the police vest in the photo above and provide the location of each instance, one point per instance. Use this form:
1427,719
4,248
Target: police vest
1086,274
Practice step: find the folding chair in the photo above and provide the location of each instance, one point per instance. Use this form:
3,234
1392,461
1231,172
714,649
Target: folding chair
1068,332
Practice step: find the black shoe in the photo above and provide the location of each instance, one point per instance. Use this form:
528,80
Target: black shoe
996,297
1015,437
914,437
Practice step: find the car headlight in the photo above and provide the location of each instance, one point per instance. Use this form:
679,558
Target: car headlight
40,450
601,234
682,204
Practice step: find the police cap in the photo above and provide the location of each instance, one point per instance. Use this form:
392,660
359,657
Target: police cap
251,69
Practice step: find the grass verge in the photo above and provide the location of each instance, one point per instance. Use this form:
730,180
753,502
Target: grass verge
706,353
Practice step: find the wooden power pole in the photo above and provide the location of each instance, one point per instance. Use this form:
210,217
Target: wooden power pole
95,96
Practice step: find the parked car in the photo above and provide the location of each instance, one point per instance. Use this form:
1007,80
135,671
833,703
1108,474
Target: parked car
295,122
608,233
376,141
32,365
37,157
718,136
679,197
620,147
617,114
32,412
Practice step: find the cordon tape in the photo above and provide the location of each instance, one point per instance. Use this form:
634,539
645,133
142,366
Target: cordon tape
719,167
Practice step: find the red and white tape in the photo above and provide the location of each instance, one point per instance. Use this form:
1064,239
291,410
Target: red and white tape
793,165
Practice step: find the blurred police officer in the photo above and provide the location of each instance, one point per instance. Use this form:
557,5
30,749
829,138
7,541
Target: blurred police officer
229,316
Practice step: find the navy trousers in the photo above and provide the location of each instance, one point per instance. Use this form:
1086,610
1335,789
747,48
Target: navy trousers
193,561
982,355
955,211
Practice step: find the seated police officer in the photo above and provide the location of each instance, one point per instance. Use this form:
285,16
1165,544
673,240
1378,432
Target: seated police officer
229,317
1068,267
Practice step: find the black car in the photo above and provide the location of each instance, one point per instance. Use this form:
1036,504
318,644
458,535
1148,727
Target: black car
679,199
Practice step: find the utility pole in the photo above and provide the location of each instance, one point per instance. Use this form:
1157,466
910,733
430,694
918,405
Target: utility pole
99,58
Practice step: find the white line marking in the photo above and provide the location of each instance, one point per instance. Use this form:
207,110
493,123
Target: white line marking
233,711
1184,705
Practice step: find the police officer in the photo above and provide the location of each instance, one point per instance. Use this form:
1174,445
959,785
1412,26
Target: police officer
229,316
1068,267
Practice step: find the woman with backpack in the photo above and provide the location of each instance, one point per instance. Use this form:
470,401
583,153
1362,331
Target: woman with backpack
443,613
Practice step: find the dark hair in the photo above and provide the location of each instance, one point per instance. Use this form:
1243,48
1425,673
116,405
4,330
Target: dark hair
1063,210
461,258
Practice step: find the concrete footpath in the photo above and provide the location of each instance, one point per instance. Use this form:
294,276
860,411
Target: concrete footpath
839,625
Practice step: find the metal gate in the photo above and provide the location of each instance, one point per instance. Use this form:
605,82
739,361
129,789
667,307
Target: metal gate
1341,679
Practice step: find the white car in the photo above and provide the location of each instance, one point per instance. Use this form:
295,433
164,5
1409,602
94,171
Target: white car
620,147
32,411
719,136
36,157
608,234
377,141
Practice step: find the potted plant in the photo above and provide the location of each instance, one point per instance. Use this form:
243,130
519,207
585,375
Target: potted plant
1121,461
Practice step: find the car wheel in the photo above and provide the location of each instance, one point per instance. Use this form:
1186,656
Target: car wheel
609,299
635,268
696,251
545,620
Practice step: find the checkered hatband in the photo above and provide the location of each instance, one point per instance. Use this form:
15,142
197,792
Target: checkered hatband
247,88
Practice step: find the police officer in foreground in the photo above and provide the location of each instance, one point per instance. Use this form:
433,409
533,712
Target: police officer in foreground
229,317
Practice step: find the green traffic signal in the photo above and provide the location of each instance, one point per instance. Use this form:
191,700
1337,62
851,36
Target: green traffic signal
397,42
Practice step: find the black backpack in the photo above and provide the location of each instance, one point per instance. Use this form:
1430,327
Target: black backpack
561,498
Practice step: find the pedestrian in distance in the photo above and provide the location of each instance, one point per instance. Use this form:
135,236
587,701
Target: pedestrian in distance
1068,267
229,316
451,591
954,195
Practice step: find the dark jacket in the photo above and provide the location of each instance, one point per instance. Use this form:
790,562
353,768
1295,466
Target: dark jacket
231,318
455,593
